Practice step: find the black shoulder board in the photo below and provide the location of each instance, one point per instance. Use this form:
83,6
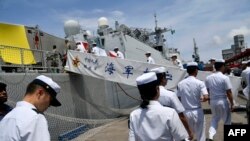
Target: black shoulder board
37,111
170,90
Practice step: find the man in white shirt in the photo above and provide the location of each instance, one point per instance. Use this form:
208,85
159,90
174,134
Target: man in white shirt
26,121
95,50
191,92
80,47
245,79
98,51
152,121
219,89
119,54
54,57
169,98
176,61
212,61
150,60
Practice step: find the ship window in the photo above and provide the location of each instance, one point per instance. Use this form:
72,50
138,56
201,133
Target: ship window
41,34
103,42
158,48
101,33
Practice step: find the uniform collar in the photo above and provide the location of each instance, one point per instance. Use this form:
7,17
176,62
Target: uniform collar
26,104
161,86
190,76
154,102
219,72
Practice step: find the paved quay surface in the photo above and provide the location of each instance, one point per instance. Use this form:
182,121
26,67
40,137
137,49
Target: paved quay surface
118,130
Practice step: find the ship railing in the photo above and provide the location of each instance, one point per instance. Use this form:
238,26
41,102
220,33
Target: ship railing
16,59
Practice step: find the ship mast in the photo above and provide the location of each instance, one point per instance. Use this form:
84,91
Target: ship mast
195,55
155,21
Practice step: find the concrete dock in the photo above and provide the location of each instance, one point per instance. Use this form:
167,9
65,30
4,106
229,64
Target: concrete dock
118,130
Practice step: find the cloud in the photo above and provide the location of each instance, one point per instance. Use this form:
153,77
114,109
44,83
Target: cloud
97,11
217,40
117,16
73,14
117,13
242,30
89,23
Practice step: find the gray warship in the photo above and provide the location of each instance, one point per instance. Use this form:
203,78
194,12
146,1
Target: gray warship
87,102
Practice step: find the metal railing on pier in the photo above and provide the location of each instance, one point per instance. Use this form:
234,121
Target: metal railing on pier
19,60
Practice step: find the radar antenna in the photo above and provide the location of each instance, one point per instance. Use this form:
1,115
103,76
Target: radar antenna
159,36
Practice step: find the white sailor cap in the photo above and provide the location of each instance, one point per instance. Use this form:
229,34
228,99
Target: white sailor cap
219,61
174,55
159,70
93,43
244,62
194,64
52,87
146,78
212,59
148,52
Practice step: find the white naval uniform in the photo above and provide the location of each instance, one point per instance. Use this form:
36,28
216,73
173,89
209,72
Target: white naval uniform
217,84
24,124
190,90
80,47
156,123
170,99
245,79
150,60
178,63
244,75
120,55
95,51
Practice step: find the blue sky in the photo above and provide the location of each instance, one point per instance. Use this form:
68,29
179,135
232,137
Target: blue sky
212,23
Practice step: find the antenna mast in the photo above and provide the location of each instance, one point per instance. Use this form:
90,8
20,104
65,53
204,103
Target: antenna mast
155,21
195,55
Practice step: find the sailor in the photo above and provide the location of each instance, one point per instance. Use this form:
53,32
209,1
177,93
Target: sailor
26,121
219,89
176,61
119,54
55,59
152,121
80,47
244,74
67,47
85,36
212,61
150,60
169,98
228,71
86,41
243,65
95,49
245,79
4,108
191,92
